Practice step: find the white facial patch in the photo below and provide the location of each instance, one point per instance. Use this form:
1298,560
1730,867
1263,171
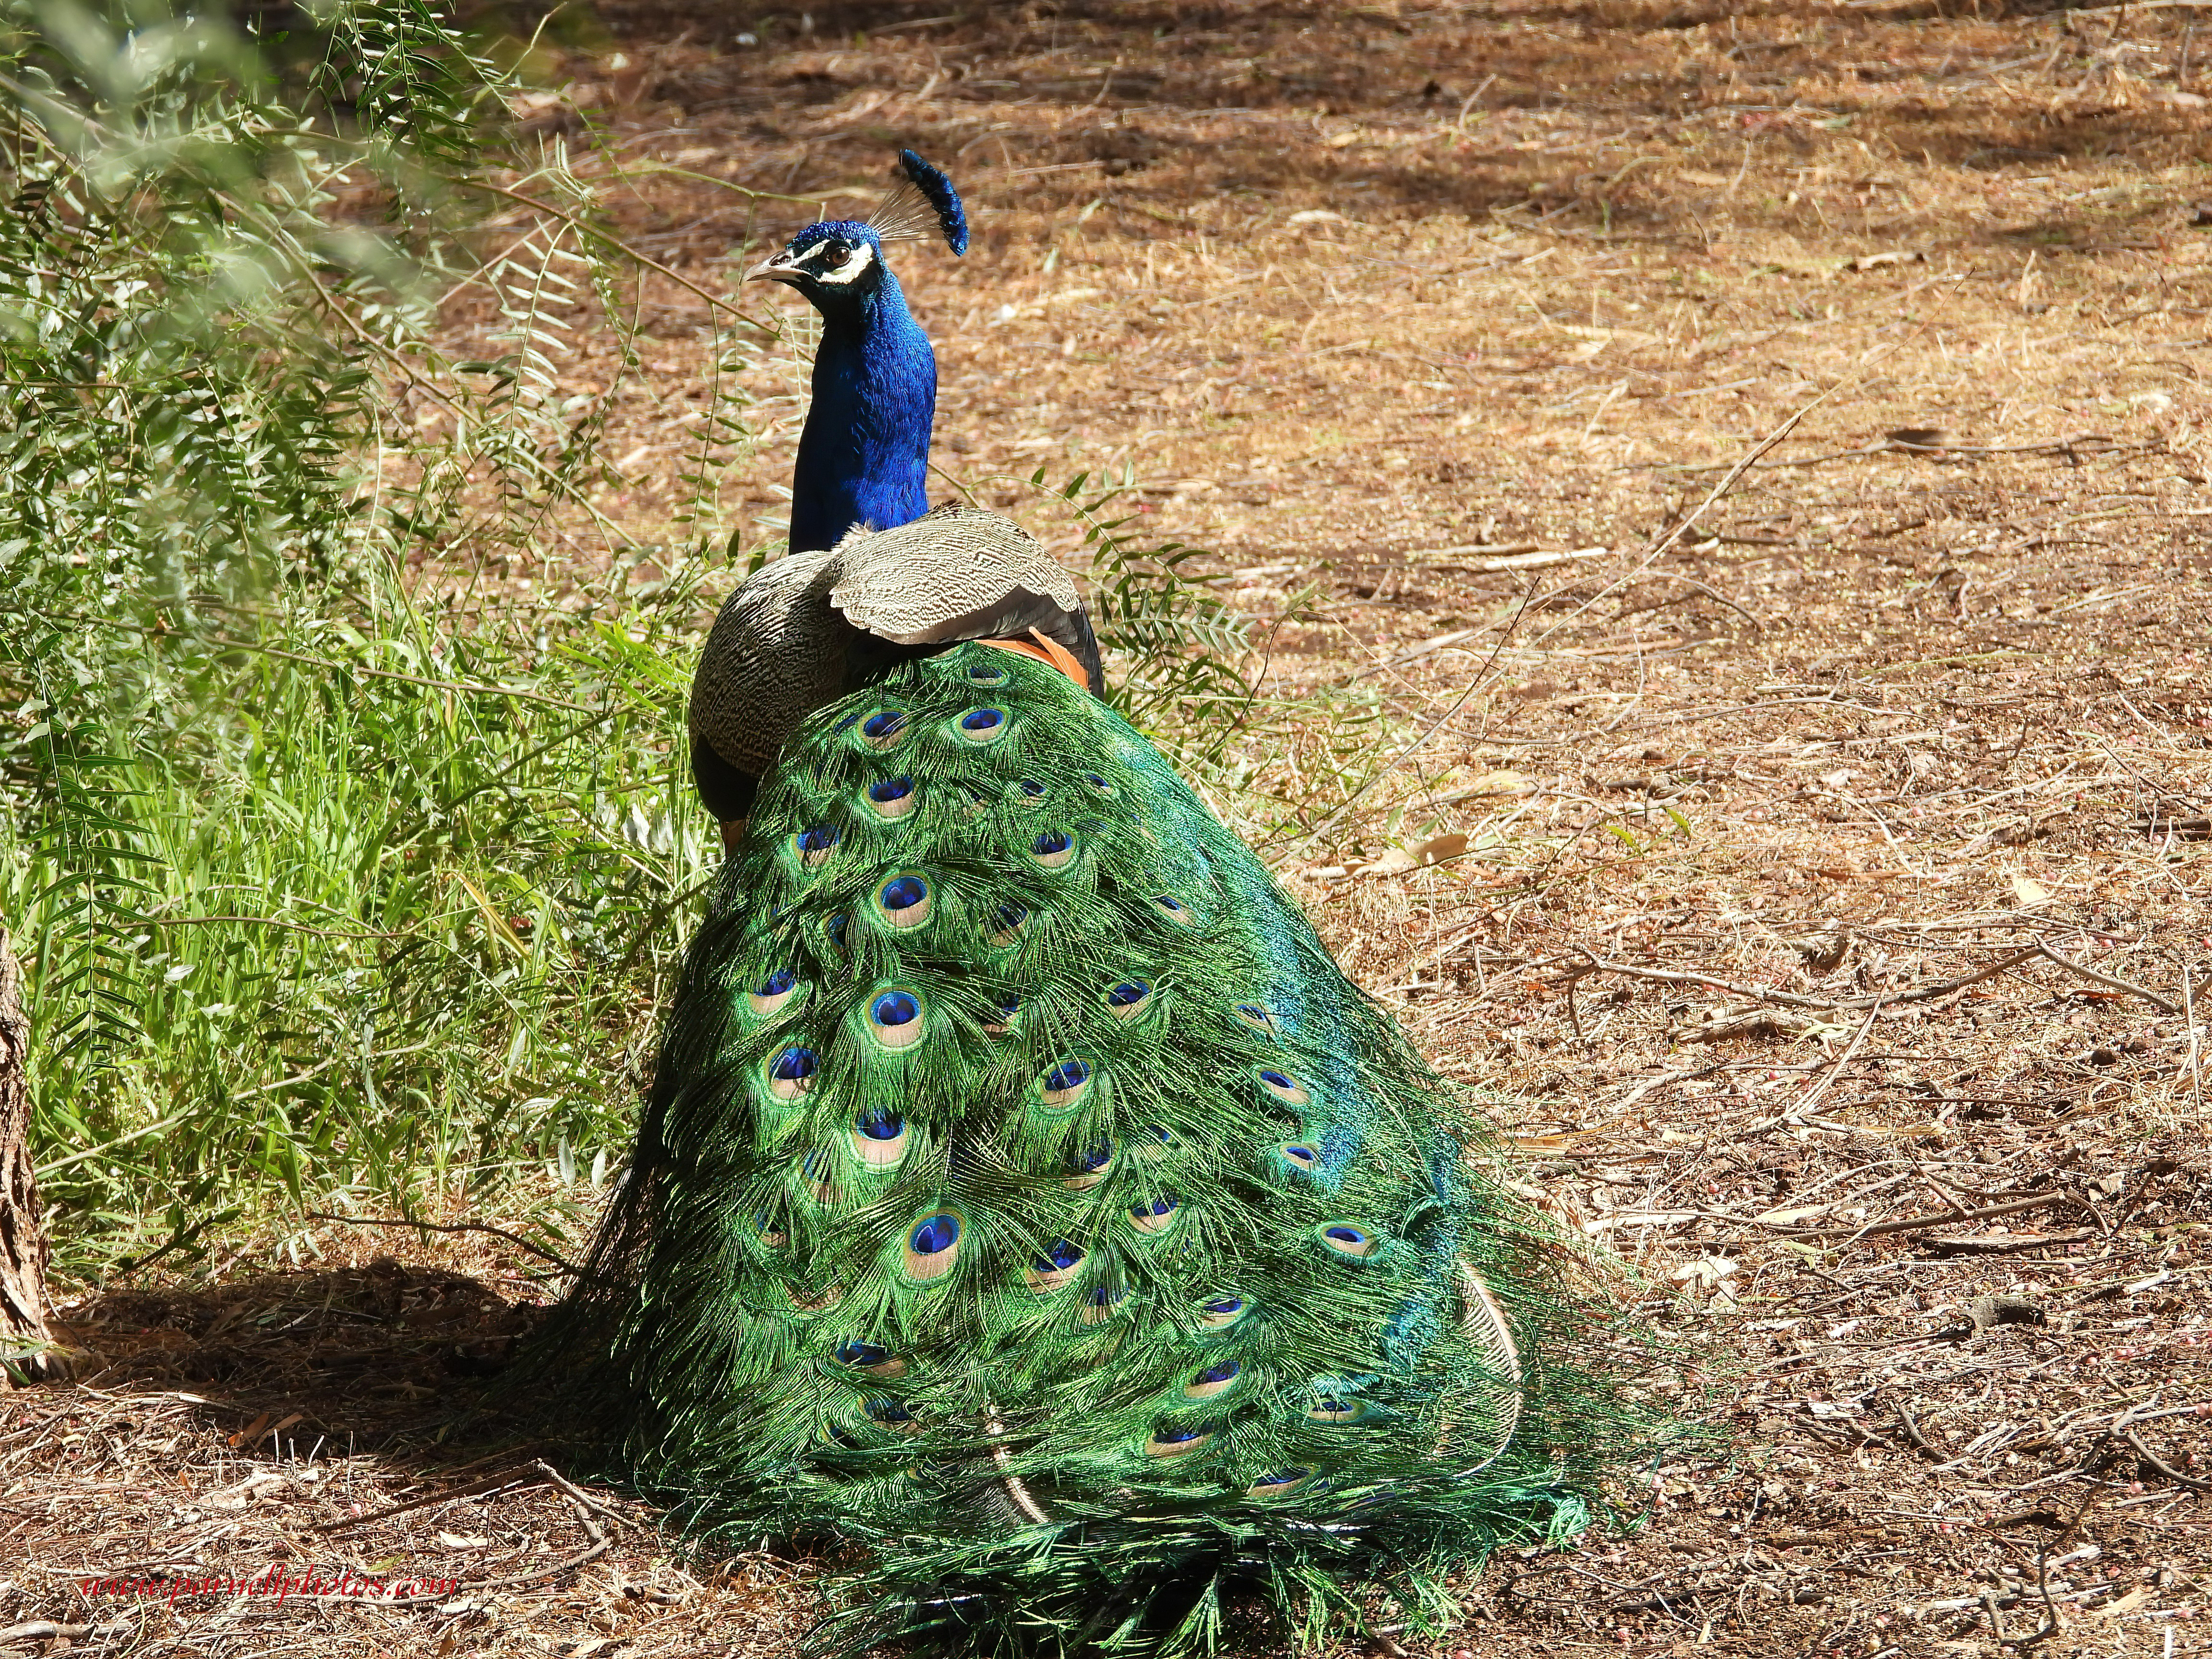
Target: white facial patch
856,262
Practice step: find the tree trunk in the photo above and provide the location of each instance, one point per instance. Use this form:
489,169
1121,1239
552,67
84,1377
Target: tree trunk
27,1348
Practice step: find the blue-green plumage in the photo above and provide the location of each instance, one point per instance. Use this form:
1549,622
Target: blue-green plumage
1026,1195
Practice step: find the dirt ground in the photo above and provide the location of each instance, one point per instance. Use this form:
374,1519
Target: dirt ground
1719,494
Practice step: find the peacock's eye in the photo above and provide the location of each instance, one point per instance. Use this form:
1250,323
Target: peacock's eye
836,252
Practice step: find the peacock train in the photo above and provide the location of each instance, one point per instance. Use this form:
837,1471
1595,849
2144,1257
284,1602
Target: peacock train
1024,1195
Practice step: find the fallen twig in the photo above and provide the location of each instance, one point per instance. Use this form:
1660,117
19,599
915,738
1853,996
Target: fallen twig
2116,983
1798,1109
1914,1223
517,1239
600,1545
1795,1000
2162,1466
2008,1246
473,1489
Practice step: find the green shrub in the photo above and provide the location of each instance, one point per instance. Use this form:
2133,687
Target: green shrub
321,888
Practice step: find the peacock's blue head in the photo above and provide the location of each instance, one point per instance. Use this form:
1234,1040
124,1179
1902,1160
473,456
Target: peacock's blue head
838,263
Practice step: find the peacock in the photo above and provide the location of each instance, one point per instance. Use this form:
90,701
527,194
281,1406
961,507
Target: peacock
1024,1195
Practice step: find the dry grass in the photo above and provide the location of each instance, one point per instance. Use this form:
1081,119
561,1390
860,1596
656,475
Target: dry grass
1385,305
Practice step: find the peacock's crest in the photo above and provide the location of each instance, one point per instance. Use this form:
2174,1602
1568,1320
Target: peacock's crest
922,200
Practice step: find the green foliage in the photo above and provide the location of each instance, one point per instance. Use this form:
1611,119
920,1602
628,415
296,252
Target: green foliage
1176,643
388,920
321,888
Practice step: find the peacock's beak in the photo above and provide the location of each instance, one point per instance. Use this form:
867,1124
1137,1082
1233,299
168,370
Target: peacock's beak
780,268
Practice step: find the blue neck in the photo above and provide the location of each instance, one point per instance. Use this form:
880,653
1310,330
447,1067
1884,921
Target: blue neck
864,455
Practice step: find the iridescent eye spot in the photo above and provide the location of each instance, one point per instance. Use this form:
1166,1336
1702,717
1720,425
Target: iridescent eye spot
1334,1409
1156,1215
884,728
1302,1157
894,1019
791,1073
1028,791
765,1231
904,901
814,1302
1055,849
1099,1302
1064,1084
982,674
1175,910
1214,1380
1221,1312
774,992
879,1137
1098,783
868,1358
1252,1014
1347,1240
1284,1087
833,929
983,725
933,1246
891,1413
1176,1440
1276,1485
893,797
1056,1267
820,1177
1129,999
815,845
1007,922
939,1232
1088,1167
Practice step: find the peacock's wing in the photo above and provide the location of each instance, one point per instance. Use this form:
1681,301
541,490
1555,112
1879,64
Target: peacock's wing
1022,1176
954,574
772,655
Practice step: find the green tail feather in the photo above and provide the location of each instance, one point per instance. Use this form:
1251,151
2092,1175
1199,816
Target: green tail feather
1027,1196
